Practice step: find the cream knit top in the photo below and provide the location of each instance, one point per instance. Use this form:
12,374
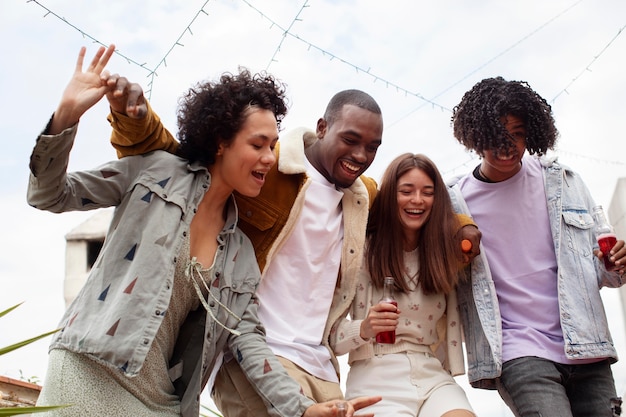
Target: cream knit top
428,323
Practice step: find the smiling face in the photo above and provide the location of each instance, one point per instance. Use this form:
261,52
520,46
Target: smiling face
502,163
242,165
348,146
415,196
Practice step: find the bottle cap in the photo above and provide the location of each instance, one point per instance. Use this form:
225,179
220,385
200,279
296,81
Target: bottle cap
342,408
466,246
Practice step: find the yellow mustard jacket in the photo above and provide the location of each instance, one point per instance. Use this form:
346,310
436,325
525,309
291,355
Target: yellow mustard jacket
269,218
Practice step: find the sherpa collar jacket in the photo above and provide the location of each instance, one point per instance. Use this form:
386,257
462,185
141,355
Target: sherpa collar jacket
269,218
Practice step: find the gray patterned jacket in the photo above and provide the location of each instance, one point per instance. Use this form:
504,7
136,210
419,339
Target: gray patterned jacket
116,315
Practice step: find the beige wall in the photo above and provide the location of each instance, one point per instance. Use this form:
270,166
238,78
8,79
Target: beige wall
76,251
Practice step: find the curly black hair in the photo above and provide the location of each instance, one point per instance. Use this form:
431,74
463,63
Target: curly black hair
211,113
477,118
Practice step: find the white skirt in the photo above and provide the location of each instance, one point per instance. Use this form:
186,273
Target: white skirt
411,384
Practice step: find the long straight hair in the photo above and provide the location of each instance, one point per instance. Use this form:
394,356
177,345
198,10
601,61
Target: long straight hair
439,247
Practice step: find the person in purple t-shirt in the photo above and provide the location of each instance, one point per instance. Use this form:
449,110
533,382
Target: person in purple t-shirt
533,318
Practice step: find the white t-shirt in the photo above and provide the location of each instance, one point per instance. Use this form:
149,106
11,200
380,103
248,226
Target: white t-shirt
297,290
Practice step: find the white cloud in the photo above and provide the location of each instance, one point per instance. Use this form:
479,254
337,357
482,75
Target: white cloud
435,49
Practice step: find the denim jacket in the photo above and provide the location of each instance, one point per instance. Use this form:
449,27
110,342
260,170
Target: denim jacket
580,277
116,315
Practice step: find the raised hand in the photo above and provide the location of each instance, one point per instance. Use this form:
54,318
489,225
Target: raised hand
84,90
126,97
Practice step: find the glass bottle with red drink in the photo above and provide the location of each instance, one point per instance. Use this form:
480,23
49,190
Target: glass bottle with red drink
605,235
388,286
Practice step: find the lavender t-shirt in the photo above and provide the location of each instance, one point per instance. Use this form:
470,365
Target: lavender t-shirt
519,247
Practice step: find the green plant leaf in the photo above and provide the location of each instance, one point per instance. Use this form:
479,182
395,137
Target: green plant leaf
18,345
8,310
14,411
209,410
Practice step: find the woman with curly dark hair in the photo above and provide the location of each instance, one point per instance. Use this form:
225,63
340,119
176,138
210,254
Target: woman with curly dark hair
533,317
174,286
218,111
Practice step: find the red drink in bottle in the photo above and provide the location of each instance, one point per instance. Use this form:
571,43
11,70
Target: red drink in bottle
605,235
390,336
606,241
388,285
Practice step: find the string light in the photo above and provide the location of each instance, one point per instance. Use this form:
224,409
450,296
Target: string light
282,39
151,72
587,68
592,159
331,56
451,86
187,29
359,70
469,164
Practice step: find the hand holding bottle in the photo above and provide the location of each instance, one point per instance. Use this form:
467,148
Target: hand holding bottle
382,318
608,242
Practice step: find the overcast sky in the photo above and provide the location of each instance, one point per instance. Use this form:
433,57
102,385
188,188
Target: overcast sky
415,57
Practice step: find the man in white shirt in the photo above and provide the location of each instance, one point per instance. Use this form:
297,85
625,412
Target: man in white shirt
308,230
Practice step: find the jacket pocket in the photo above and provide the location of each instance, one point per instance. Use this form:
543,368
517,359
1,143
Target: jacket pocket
578,232
159,188
578,219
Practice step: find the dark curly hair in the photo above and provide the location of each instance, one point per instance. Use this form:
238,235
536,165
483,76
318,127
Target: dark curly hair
477,118
211,113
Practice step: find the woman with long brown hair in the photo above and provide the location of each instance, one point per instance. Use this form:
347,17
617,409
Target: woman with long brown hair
412,237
